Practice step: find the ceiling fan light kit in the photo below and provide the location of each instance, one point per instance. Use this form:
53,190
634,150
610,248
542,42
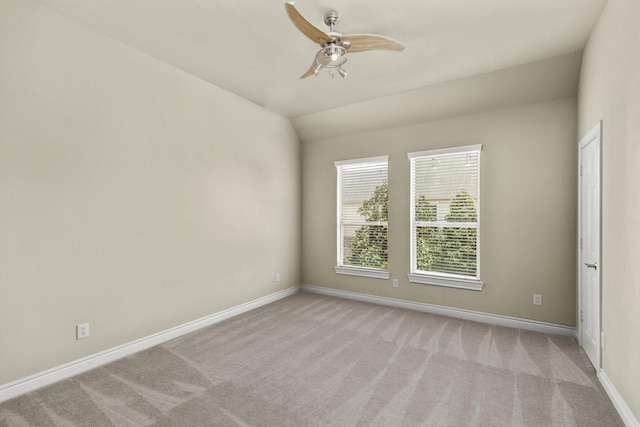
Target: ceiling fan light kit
333,45
331,57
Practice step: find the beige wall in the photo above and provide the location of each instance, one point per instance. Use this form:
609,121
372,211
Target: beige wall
132,196
610,91
528,209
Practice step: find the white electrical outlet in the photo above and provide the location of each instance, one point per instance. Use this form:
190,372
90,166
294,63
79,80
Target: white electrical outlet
537,299
277,277
395,283
82,331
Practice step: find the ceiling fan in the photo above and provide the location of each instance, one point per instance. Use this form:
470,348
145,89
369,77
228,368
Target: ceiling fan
333,45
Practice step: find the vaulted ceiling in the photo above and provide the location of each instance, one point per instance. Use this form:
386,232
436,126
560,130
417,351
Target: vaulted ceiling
252,49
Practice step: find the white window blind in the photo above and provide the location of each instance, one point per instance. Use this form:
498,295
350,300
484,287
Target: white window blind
362,216
445,217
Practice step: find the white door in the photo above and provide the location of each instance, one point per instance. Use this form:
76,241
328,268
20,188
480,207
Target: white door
590,244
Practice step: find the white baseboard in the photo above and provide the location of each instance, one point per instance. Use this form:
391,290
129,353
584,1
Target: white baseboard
476,316
618,402
50,376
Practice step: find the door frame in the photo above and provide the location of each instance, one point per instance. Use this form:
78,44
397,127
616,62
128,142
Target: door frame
595,134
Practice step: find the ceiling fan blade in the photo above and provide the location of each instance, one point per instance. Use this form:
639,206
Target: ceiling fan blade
310,71
316,35
360,42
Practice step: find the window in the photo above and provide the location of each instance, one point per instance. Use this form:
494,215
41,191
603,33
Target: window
362,217
445,217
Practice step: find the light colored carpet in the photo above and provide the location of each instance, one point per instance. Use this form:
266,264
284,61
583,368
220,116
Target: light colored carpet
311,360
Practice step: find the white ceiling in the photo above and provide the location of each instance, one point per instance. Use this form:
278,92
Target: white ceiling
252,49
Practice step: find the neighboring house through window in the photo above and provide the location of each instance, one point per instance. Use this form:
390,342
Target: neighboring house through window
363,217
445,217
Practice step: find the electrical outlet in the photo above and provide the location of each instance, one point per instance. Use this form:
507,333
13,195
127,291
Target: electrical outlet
82,331
395,283
537,299
277,277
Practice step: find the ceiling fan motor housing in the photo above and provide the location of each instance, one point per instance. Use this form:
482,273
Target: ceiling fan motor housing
331,18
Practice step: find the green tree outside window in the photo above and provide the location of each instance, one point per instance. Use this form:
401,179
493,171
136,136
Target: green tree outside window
447,249
369,249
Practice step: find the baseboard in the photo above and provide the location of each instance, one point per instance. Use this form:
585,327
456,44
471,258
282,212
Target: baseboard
476,316
618,402
50,376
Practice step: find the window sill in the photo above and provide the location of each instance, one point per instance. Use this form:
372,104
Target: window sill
373,273
428,279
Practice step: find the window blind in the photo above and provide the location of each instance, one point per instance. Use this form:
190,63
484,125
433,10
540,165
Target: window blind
363,212
445,207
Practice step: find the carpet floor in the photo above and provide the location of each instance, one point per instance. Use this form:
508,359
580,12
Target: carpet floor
312,360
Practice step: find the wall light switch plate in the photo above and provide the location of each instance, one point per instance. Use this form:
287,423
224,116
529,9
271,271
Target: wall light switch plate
537,299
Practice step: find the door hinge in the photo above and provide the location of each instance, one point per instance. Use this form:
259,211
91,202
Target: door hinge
581,243
581,315
580,170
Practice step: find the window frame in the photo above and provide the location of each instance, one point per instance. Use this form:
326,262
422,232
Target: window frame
432,277
352,270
